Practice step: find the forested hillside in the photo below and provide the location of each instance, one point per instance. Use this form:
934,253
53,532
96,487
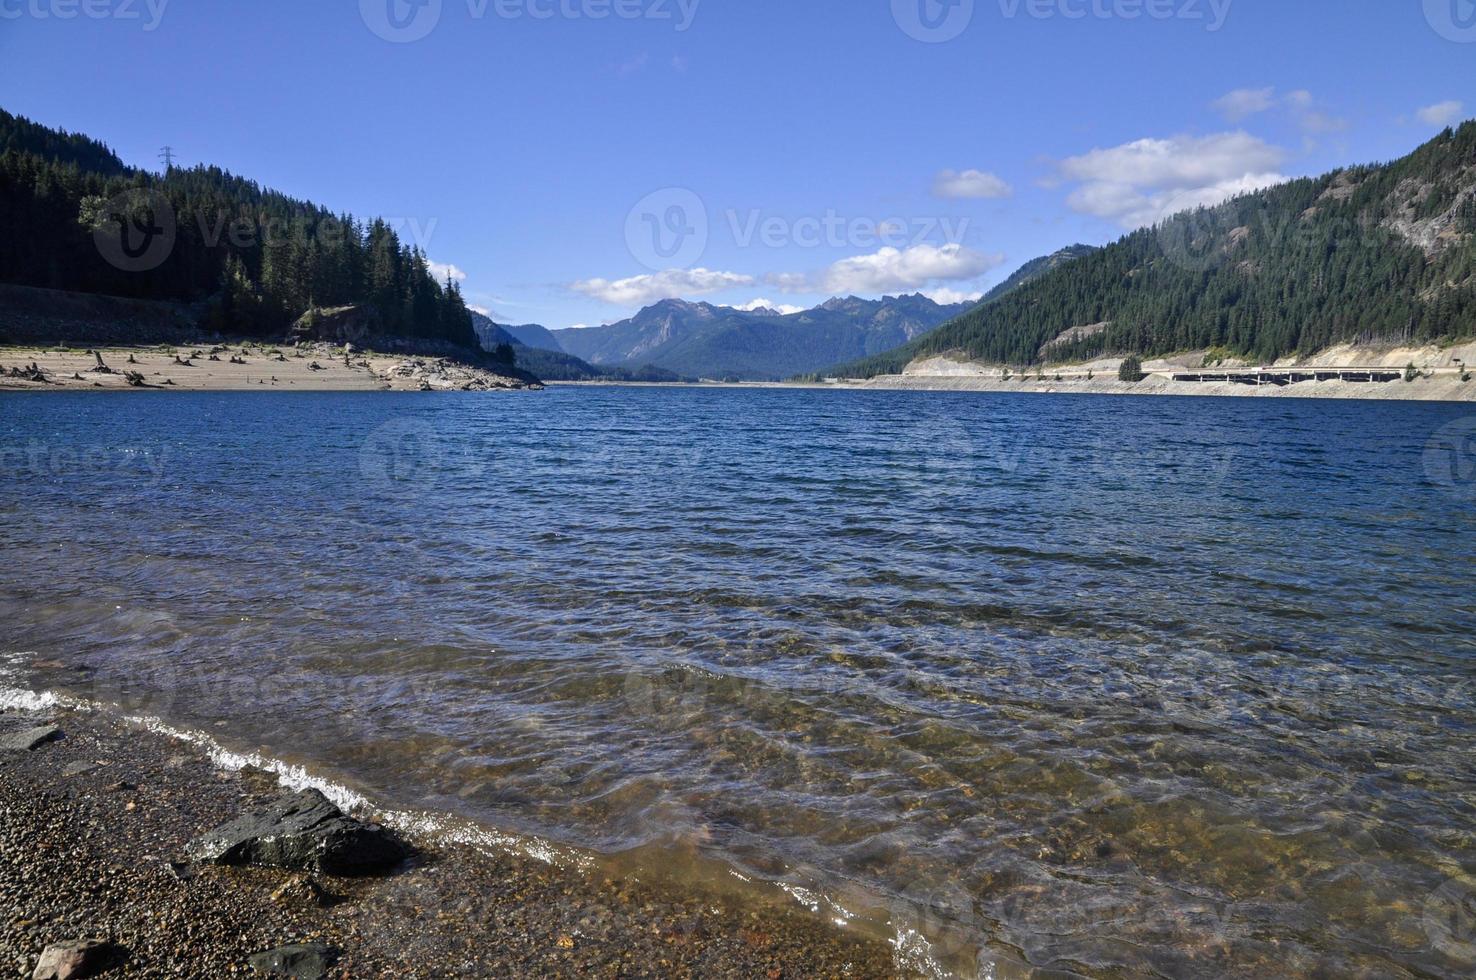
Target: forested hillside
258,259
1367,254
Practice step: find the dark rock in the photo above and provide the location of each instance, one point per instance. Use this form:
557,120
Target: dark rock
304,832
31,738
76,958
307,961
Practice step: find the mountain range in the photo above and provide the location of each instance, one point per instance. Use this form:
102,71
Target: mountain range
1384,253
700,340
536,351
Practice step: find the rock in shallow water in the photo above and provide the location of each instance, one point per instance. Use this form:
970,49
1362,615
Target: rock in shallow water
304,832
76,958
306,961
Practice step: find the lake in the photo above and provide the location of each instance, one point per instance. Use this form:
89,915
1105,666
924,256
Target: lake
1118,687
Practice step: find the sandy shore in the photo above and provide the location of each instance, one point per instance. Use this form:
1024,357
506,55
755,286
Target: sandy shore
94,825
1443,387
1440,373
244,367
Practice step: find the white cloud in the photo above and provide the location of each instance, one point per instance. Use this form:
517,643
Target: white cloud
1183,161
441,270
975,184
768,304
1244,102
479,309
892,270
1316,122
947,297
1300,99
671,284
1441,113
1142,182
578,326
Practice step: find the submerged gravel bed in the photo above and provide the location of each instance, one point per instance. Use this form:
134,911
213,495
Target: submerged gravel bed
93,828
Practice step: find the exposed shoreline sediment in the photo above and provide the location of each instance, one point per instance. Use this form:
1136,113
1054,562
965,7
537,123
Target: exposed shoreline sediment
248,366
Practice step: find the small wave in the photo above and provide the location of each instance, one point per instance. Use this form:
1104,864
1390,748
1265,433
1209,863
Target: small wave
912,952
18,699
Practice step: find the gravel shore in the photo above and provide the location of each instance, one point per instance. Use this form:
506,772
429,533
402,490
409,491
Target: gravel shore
93,828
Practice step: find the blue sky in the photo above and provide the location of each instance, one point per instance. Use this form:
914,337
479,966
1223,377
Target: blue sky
574,167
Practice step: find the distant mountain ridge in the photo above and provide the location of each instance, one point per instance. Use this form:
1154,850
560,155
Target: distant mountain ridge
549,363
718,342
533,335
1371,254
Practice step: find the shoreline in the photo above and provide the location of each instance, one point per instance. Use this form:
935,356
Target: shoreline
328,368
243,366
1439,389
1422,390
96,821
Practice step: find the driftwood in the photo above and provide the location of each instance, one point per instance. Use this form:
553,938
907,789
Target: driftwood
101,368
134,379
32,373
